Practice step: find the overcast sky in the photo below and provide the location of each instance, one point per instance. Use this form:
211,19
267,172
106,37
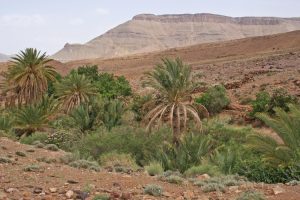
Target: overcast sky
49,24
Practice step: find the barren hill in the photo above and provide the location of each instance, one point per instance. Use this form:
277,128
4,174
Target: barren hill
3,57
147,32
244,65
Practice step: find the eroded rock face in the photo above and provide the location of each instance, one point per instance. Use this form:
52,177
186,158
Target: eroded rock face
147,32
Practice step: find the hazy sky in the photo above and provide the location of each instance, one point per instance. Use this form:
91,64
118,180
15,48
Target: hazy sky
49,24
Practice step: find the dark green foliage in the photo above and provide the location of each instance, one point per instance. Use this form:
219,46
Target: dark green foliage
6,122
266,102
81,118
130,140
107,85
214,99
190,152
140,106
37,136
111,113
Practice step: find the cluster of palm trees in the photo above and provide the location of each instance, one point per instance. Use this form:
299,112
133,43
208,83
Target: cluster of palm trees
25,86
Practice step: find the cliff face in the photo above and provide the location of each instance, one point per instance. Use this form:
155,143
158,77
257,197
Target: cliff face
147,32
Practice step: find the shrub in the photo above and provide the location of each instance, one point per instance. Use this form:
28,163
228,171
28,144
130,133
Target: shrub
140,106
6,122
5,160
46,160
211,187
154,168
123,139
102,197
61,138
32,168
51,147
174,179
38,144
154,190
114,159
266,102
37,136
202,169
19,153
85,164
251,195
214,99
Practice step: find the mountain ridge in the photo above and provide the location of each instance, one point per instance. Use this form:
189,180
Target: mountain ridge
147,32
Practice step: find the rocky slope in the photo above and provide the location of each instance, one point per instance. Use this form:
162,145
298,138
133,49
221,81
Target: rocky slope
3,57
147,32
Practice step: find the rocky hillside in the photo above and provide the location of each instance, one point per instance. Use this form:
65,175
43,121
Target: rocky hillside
147,32
3,57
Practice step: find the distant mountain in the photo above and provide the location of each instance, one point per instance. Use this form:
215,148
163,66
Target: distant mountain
147,32
3,57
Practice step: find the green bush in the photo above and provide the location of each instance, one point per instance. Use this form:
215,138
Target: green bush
154,168
174,179
214,99
266,102
140,106
37,136
107,85
251,195
211,187
154,190
51,147
129,140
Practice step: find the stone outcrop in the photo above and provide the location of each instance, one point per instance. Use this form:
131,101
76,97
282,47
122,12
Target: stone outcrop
148,32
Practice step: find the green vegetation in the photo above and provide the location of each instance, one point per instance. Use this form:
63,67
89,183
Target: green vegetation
102,122
154,190
214,99
251,195
154,168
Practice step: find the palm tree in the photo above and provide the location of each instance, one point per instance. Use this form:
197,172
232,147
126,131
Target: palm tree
74,90
172,81
27,78
287,126
34,117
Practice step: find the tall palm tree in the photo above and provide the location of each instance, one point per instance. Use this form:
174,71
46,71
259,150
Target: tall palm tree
27,78
287,127
172,81
74,90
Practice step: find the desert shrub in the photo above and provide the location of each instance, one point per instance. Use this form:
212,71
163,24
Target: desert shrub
174,179
85,164
5,160
114,159
37,136
211,187
123,139
214,99
154,190
154,168
46,160
38,144
101,197
261,103
202,169
32,168
51,147
251,195
190,152
61,138
20,153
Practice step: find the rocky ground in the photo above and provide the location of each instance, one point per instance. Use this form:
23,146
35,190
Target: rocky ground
24,177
